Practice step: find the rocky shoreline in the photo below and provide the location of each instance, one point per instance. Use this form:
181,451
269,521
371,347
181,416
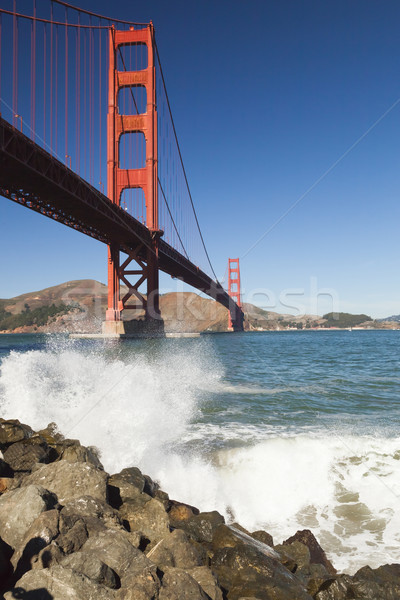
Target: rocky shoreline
71,531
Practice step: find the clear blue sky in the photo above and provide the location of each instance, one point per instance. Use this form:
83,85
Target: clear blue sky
267,97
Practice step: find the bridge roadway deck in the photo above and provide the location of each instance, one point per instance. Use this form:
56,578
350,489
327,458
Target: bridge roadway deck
34,178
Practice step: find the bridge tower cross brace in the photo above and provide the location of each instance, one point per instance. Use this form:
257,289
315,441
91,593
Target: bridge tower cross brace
146,178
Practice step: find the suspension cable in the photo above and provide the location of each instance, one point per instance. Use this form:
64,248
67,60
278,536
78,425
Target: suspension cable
181,159
93,14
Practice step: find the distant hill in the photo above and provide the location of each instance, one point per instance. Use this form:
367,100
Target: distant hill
80,306
392,319
344,320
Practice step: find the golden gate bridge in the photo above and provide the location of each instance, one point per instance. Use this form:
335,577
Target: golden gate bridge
84,102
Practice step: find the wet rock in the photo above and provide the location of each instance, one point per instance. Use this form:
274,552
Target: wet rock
177,550
18,510
207,581
294,556
149,518
12,431
116,550
246,567
88,564
263,536
93,508
179,585
21,456
51,434
338,589
382,583
317,555
70,480
200,527
43,530
58,583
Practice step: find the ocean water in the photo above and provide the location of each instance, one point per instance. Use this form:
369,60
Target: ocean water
279,431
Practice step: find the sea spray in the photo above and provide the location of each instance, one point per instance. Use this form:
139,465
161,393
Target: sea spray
168,408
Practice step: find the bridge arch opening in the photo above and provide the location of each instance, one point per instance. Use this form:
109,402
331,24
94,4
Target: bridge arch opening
132,150
132,57
132,100
133,202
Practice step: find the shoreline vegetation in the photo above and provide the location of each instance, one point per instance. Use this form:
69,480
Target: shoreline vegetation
79,307
69,530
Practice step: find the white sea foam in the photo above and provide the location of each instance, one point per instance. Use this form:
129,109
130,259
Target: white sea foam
140,411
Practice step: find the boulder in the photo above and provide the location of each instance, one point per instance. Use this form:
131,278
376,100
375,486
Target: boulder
72,451
200,527
178,512
142,586
50,556
179,585
72,539
207,581
338,588
129,484
116,550
18,510
58,583
149,518
43,530
5,484
70,480
246,567
263,536
177,550
93,508
317,554
12,431
88,564
21,456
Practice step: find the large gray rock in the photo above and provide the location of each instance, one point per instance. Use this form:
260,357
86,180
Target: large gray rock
12,431
207,581
317,554
367,584
58,583
21,456
70,480
177,550
88,564
200,527
40,534
248,568
179,585
72,451
18,510
116,550
93,508
150,518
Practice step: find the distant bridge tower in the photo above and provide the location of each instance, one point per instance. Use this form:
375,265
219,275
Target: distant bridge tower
236,316
145,268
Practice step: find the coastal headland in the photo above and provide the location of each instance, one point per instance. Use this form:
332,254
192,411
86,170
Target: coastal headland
70,530
79,307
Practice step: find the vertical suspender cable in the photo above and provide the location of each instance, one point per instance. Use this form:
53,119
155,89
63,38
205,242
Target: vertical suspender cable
15,64
66,85
51,79
100,104
33,72
44,81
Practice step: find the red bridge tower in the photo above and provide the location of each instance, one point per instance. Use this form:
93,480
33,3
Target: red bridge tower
236,318
146,178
